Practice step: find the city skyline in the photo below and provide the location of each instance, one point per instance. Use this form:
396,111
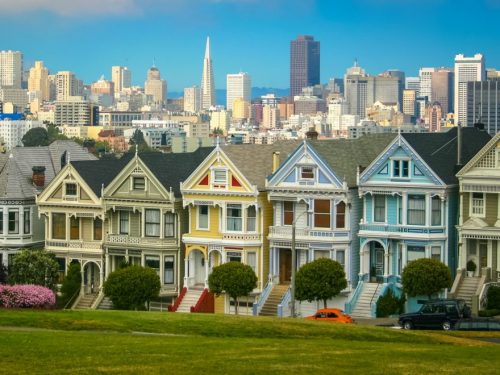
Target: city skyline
247,35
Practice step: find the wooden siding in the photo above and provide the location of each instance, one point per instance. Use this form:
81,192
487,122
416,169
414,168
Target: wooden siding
491,209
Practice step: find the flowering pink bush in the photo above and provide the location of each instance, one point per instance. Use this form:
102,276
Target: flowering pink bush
16,296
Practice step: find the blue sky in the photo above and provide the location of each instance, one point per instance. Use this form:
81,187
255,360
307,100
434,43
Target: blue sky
89,36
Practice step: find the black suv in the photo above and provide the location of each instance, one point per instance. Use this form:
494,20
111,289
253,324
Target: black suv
442,313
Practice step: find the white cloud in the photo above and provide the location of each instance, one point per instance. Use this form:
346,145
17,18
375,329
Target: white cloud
77,8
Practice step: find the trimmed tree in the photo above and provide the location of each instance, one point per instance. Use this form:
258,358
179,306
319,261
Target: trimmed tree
72,283
131,288
233,278
319,280
36,267
425,277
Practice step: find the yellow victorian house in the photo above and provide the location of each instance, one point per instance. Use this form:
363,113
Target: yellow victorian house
229,220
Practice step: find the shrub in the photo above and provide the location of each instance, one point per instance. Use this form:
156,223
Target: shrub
35,267
489,313
22,296
425,277
493,297
3,274
130,288
389,304
320,280
471,266
71,284
234,278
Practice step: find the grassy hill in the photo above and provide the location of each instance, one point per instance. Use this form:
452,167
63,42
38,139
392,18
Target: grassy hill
79,342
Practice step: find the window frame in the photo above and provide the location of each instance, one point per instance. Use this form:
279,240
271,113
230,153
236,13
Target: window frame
483,205
137,184
152,224
322,214
307,175
399,165
168,224
66,193
121,217
95,232
249,219
62,218
342,215
165,257
26,220
16,213
383,198
410,212
72,221
235,219
286,213
199,214
435,211
220,183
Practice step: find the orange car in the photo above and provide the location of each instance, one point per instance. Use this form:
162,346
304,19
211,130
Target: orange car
331,315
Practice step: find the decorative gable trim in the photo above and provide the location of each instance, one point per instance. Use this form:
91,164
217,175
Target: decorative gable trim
491,145
304,155
385,156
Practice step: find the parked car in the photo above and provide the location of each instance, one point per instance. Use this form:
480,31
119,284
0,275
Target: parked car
331,315
443,313
478,324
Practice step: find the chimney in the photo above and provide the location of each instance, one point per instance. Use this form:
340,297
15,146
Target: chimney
38,176
276,161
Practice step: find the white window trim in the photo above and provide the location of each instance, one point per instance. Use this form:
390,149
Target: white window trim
283,213
162,269
314,171
132,183
198,218
77,194
472,214
399,160
212,179
373,210
332,217
243,218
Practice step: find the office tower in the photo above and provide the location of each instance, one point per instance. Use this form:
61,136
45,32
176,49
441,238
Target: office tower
387,87
410,102
467,69
483,104
207,80
304,63
433,116
38,81
67,85
121,77
413,83
241,109
355,89
336,109
400,75
270,117
11,69
219,121
425,75
102,86
442,89
192,99
155,86
75,112
239,86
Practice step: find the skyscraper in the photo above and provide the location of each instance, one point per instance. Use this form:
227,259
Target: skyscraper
239,86
67,85
11,69
192,99
121,77
155,86
425,75
467,69
38,81
483,104
207,80
442,89
304,63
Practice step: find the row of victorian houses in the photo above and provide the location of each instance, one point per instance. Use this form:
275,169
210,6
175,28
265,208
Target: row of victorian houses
373,204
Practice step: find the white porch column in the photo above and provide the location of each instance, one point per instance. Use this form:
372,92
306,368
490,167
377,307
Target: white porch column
404,256
68,229
404,201
463,254
186,270
361,262
101,276
490,254
206,270
386,262
107,265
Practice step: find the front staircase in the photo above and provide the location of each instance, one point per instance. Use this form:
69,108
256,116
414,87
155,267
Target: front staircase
86,301
369,295
105,304
467,289
190,299
270,307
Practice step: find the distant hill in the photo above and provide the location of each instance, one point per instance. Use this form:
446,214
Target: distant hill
220,94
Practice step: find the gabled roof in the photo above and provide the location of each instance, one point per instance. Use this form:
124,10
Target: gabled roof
439,150
475,159
345,155
16,167
255,161
170,169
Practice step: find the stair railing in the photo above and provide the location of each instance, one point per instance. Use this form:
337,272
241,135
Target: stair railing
72,299
173,307
284,306
98,299
373,305
205,303
257,306
351,303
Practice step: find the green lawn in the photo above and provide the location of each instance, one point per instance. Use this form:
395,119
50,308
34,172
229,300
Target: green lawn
75,342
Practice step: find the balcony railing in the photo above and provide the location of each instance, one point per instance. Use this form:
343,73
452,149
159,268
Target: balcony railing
401,229
286,233
126,240
241,236
75,244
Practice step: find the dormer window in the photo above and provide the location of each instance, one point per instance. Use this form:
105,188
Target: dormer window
400,168
307,173
138,183
70,190
219,178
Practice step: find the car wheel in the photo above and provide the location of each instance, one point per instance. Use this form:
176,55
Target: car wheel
446,325
407,324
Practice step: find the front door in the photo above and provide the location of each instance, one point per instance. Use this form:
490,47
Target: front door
377,267
285,266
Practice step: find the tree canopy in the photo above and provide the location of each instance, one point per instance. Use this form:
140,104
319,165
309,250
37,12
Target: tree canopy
425,277
36,267
36,137
234,278
131,288
319,280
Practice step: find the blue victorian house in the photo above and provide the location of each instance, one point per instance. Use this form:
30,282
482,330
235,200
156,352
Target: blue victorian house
410,210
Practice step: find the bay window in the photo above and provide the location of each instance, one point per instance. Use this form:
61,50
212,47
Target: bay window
233,217
58,226
98,229
340,215
27,221
124,222
152,223
169,224
436,211
14,221
288,213
416,209
202,217
379,208
322,213
251,219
